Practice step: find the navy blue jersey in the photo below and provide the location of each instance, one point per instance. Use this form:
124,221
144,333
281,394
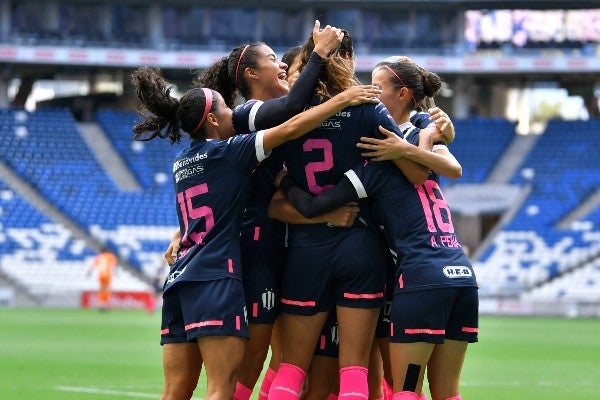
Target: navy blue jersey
420,119
254,115
417,221
418,227
212,183
318,160
257,225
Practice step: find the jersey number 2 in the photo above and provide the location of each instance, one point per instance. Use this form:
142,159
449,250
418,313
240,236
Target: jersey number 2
318,166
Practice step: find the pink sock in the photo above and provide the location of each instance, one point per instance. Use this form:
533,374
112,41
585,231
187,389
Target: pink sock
406,395
353,383
424,396
263,392
332,396
241,392
454,398
388,392
287,383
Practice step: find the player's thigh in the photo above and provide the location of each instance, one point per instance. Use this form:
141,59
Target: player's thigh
408,361
356,328
222,357
182,363
444,368
300,336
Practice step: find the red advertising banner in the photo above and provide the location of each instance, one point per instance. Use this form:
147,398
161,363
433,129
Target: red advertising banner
120,300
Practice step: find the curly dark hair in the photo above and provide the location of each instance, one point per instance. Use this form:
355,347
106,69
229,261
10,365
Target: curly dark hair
163,115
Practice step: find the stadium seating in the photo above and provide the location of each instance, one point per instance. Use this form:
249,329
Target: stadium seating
48,152
562,172
582,285
43,255
479,144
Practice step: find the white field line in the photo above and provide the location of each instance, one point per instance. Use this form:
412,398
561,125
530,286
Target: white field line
108,392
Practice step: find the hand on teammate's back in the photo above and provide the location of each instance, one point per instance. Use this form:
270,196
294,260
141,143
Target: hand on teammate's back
360,94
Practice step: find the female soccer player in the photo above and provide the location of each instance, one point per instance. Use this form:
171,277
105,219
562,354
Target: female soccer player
203,315
326,353
254,72
329,267
435,306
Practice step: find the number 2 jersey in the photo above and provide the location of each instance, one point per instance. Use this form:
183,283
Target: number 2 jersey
255,115
318,160
416,219
212,181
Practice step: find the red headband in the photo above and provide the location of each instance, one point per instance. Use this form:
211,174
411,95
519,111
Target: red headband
402,82
238,64
208,99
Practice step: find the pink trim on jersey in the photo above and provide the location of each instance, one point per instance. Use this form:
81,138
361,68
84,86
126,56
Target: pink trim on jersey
238,322
363,295
230,265
164,331
391,329
470,330
256,233
203,324
401,282
255,309
419,331
322,342
299,303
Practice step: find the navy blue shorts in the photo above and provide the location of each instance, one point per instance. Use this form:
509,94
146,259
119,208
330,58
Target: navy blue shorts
348,273
433,315
329,339
207,308
262,269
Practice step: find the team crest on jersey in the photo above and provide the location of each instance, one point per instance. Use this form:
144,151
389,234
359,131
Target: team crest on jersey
175,274
457,271
335,335
268,299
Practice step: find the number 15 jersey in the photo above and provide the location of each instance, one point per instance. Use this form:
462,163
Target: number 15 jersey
212,181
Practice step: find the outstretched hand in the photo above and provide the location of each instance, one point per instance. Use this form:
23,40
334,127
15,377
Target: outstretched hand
391,147
326,40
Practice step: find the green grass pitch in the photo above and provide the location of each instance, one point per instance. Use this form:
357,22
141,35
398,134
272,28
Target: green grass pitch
88,355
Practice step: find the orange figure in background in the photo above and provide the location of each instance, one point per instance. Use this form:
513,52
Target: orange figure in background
104,263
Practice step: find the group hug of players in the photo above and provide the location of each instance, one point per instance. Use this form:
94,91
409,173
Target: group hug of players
311,223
